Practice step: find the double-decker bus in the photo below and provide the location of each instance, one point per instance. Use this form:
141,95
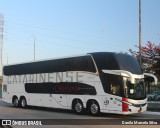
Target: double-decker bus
95,82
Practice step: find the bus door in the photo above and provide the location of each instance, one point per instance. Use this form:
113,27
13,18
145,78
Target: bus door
115,97
115,103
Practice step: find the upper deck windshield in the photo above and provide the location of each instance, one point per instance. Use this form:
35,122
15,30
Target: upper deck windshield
117,61
128,63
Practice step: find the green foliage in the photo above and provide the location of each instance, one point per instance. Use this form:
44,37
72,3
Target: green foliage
150,58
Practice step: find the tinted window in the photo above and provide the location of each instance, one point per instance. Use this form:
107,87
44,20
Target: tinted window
105,61
128,63
61,88
114,61
82,63
112,84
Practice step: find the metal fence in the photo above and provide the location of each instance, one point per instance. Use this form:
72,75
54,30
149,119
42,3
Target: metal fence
154,98
0,91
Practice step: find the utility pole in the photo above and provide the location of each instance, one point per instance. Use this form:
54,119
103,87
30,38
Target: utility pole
1,41
140,34
159,37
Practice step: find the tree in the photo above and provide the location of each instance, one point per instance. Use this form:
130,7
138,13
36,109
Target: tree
150,58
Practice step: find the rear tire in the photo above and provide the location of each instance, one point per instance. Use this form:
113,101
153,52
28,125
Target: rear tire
78,107
16,102
23,102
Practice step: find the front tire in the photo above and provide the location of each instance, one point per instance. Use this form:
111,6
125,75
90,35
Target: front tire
94,108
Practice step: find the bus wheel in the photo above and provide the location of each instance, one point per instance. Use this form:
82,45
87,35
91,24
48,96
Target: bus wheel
15,102
78,106
23,102
94,108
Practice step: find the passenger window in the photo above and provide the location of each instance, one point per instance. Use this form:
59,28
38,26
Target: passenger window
112,84
115,89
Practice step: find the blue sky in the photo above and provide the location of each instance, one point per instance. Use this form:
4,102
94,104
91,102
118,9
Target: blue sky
69,27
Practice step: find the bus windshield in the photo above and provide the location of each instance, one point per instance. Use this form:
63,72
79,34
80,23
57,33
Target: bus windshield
134,91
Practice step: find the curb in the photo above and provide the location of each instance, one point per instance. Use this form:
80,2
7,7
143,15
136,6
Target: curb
151,113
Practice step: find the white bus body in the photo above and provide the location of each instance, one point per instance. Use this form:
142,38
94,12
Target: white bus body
96,82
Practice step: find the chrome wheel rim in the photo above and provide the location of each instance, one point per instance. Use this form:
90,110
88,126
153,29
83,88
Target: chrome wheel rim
16,102
94,109
78,107
23,103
